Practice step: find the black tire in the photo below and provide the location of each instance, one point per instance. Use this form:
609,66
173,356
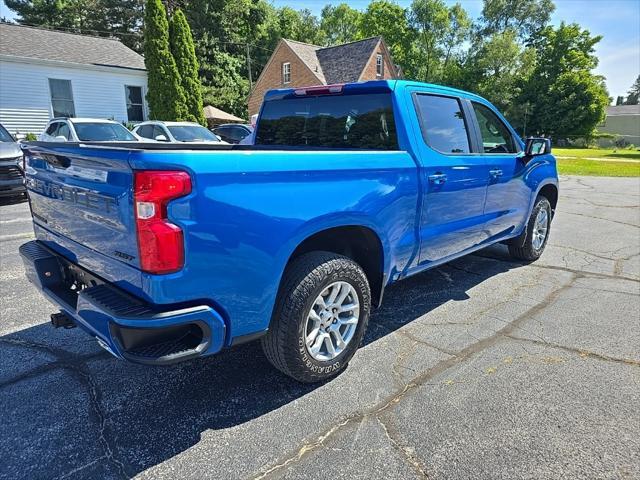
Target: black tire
524,249
303,281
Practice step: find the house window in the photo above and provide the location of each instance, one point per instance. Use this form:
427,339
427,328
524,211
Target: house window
135,107
379,66
61,98
286,72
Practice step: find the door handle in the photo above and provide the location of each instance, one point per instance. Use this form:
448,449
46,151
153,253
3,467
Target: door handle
437,178
495,172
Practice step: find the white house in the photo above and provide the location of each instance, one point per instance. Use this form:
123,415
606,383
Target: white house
46,74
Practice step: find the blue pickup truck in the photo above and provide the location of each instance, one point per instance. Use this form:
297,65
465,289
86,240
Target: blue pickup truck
165,253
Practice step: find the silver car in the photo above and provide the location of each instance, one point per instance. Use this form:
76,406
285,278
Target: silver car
11,173
176,132
86,130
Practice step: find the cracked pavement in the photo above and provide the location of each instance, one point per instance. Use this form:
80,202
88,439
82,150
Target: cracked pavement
481,368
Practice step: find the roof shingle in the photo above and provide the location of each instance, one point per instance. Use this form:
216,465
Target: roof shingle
30,42
339,64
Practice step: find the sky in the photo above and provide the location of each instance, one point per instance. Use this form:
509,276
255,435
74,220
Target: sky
617,21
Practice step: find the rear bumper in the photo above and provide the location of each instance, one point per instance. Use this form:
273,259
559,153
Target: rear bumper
125,325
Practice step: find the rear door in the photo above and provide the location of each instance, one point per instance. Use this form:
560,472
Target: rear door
508,196
454,178
82,196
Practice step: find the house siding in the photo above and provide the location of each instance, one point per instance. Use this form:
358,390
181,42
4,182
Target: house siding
271,77
626,126
25,102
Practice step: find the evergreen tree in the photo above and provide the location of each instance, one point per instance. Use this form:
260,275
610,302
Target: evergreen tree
184,54
633,95
165,95
120,18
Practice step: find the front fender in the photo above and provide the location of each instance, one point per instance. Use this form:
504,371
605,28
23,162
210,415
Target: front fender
542,172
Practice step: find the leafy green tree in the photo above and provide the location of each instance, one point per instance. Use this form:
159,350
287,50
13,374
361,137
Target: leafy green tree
430,20
299,25
165,95
633,95
184,54
339,24
459,30
221,30
499,68
525,17
566,98
389,20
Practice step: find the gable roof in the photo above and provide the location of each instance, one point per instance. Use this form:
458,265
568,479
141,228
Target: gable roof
308,54
345,63
41,44
337,64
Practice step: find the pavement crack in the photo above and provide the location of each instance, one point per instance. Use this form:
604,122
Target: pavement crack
412,337
423,379
579,351
103,431
407,454
602,218
574,271
76,365
309,447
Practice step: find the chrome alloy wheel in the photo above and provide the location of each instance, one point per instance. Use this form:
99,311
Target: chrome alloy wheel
540,227
332,321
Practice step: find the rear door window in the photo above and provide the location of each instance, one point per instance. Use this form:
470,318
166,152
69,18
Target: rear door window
496,137
53,128
342,121
157,130
145,131
442,123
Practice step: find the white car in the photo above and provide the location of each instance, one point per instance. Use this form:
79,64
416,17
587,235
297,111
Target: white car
86,130
176,132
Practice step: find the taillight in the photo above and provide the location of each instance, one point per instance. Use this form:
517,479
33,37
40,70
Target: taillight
160,242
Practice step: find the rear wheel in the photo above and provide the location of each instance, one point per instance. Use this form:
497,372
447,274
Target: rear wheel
320,317
536,233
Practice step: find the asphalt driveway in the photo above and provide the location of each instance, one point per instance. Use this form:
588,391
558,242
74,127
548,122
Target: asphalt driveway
483,368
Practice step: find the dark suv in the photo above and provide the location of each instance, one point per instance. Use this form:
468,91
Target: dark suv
233,132
11,174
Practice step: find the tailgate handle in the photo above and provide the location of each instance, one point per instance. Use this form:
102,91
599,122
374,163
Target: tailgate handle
57,160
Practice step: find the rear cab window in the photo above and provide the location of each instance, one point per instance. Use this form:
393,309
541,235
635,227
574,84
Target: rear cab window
355,121
443,124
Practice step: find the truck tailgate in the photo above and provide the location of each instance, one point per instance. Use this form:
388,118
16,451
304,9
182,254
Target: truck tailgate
85,195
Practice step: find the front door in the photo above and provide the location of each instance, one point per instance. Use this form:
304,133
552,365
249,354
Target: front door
454,179
508,196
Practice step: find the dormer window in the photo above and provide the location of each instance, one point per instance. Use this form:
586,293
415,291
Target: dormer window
379,66
286,73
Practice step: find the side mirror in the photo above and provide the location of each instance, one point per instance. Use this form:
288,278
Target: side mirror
537,146
161,138
60,138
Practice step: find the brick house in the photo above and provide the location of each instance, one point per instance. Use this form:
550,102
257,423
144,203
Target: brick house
297,64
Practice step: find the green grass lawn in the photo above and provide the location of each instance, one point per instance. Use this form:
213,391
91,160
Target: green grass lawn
582,161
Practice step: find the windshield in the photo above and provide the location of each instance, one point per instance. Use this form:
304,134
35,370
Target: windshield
192,133
5,136
345,121
103,132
